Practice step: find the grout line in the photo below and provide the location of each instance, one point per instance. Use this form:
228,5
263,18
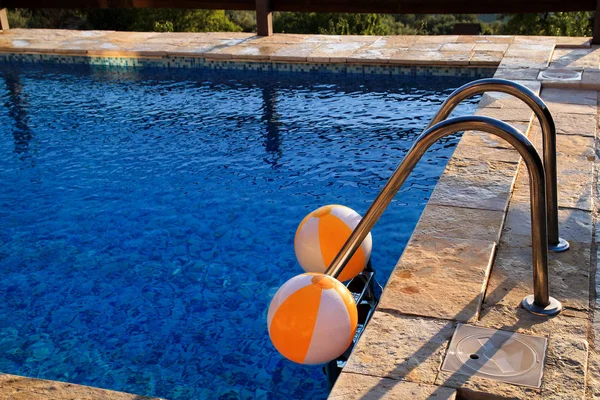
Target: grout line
394,312
576,134
566,208
434,203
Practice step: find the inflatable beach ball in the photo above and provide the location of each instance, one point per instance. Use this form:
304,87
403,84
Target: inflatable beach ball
321,235
312,319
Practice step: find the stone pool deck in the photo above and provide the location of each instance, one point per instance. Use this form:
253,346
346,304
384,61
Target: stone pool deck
469,259
20,388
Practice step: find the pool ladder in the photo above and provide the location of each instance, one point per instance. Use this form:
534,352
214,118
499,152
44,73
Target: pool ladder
366,292
543,193
539,108
542,185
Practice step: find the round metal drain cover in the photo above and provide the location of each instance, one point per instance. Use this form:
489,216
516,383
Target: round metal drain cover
498,354
560,75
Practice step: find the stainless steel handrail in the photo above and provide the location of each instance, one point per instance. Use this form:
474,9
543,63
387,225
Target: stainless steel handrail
540,303
537,105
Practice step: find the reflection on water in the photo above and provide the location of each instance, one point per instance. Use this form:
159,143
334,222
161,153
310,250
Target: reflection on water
17,110
271,119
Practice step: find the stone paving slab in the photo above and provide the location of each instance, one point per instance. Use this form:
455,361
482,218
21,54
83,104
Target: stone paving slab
467,150
488,142
590,79
350,386
517,73
566,367
19,388
575,225
575,124
486,39
574,147
524,62
537,40
520,115
512,276
494,47
486,58
573,42
579,147
429,57
574,184
370,55
473,387
460,223
514,318
593,371
567,108
337,52
431,266
581,97
462,184
593,375
575,58
505,100
401,347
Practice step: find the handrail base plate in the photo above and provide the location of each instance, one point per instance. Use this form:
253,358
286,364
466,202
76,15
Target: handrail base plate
550,310
561,246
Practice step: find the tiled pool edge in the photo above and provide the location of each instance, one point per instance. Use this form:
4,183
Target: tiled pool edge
425,330
175,62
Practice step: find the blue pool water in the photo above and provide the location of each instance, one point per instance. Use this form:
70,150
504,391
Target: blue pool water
147,217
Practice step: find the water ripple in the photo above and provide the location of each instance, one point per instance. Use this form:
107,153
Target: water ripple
147,217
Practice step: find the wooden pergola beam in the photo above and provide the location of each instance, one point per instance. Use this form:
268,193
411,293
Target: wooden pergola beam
3,20
189,4
264,8
264,18
354,6
596,38
434,6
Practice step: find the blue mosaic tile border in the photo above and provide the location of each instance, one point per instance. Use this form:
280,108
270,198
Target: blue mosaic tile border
266,66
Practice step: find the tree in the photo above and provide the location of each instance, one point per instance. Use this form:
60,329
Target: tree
329,23
244,19
162,20
434,24
549,24
47,18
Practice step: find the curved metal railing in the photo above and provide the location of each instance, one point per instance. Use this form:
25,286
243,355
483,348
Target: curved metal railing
537,105
540,302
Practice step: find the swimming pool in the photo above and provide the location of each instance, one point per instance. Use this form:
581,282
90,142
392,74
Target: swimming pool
147,216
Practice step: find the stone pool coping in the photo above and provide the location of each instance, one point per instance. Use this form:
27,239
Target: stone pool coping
14,387
221,49
458,266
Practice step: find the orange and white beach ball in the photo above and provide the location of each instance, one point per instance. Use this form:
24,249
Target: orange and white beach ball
321,235
312,319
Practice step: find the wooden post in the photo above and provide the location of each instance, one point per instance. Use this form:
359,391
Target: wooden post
596,38
264,18
4,20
